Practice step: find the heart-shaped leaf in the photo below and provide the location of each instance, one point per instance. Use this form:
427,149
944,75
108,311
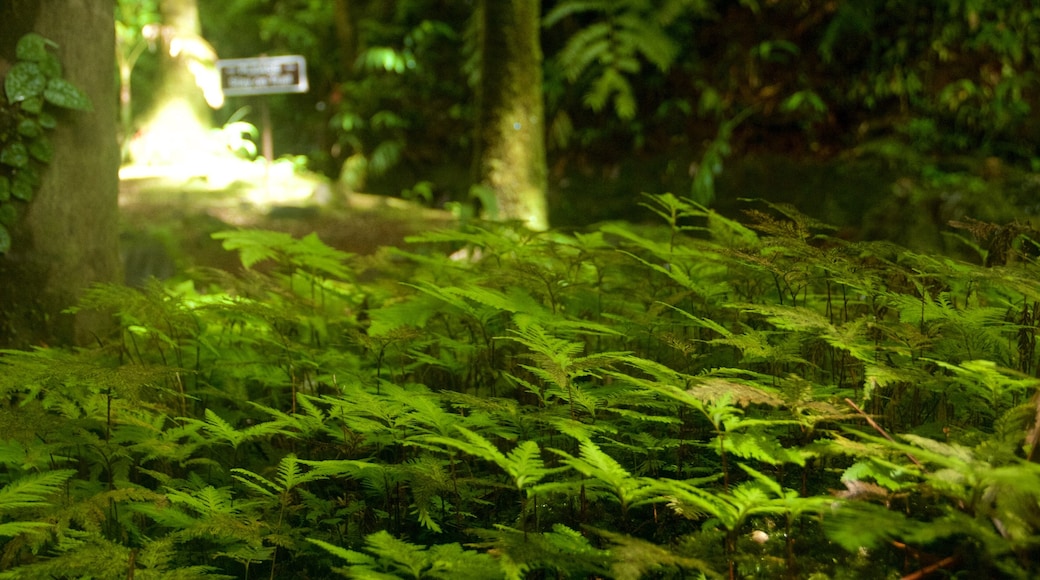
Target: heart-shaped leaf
29,128
15,154
62,93
24,81
24,184
41,150
8,214
33,105
32,47
50,66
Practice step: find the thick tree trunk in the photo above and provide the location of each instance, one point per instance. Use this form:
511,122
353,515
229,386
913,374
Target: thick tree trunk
67,238
510,143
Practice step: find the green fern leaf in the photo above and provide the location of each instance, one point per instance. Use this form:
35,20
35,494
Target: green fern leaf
206,501
477,445
33,490
761,445
254,245
595,463
633,558
220,428
589,45
255,481
414,311
290,475
572,7
648,39
564,551
858,525
12,529
355,558
526,465
715,390
609,83
168,516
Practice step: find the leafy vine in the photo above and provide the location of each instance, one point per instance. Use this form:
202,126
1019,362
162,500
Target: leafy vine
35,81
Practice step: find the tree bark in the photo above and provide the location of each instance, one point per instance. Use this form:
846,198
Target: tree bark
67,238
510,140
346,35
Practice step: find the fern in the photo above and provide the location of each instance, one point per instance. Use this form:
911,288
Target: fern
607,474
634,558
691,383
564,551
78,554
32,490
221,430
611,47
308,254
289,477
394,558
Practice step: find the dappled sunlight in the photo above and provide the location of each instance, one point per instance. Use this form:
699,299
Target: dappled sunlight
256,183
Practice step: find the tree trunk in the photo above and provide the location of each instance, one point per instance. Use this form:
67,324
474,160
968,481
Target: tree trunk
67,238
510,141
176,130
346,35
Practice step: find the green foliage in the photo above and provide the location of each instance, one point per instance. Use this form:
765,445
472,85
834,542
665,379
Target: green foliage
704,397
608,51
34,82
393,558
977,104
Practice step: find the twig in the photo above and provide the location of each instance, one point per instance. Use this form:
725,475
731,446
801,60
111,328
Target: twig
879,429
1033,435
947,561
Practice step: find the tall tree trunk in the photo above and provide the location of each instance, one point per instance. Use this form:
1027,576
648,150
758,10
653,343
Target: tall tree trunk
176,130
510,140
68,237
346,35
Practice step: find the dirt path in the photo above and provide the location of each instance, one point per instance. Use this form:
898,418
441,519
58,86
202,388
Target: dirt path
167,220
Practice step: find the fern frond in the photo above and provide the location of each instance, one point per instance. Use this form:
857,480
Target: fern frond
858,525
608,472
564,551
221,430
254,246
394,558
714,390
33,490
76,554
255,481
588,45
290,475
633,558
351,556
207,501
648,39
12,529
525,464
572,7
761,445
611,83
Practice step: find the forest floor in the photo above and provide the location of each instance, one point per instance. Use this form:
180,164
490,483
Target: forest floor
168,217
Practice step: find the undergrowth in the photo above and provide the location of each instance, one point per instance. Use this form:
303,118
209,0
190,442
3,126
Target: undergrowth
703,399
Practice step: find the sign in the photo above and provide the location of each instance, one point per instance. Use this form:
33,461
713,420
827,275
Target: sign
265,75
